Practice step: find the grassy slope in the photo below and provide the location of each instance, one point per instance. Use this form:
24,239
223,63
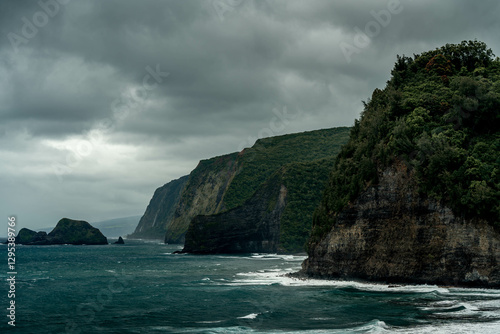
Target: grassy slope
269,154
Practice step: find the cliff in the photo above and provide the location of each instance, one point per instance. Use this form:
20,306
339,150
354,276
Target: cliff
223,183
277,218
393,234
253,227
203,194
160,211
227,182
414,195
67,231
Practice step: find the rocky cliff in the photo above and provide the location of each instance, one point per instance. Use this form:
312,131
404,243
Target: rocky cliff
203,194
390,233
67,231
277,218
252,227
414,195
160,211
226,182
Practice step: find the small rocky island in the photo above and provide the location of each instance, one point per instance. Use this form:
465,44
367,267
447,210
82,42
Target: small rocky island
67,231
119,241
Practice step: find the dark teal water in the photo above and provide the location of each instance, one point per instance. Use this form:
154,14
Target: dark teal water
142,288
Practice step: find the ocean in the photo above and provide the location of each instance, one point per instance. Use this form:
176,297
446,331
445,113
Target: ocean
141,287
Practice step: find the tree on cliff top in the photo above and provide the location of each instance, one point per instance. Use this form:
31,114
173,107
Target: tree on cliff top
439,114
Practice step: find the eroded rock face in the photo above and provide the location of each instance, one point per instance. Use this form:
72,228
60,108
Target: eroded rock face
392,234
251,228
160,211
203,194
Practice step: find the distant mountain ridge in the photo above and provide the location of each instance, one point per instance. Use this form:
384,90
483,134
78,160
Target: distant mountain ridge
117,227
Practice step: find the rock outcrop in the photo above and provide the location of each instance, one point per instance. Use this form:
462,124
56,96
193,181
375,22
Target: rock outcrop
391,233
67,231
29,237
119,241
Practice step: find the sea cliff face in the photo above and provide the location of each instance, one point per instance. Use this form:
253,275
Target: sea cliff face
414,194
203,194
252,227
160,211
226,182
277,218
391,233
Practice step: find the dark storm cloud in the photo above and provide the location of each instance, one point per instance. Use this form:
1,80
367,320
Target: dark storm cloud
216,66
234,66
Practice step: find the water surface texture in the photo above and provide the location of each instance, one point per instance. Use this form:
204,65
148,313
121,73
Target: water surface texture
141,287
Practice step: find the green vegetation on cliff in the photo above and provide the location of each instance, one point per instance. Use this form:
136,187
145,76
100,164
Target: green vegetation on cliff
277,218
439,114
305,182
269,154
223,183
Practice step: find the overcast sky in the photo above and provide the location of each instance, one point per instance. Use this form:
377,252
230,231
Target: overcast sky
103,101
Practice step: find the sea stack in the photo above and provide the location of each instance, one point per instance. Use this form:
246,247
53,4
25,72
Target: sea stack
120,241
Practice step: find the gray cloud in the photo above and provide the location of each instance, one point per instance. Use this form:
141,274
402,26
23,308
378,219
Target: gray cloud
81,136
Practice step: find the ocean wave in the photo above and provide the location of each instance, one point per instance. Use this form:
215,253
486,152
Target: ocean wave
372,327
279,276
266,257
278,256
270,276
454,328
210,322
249,316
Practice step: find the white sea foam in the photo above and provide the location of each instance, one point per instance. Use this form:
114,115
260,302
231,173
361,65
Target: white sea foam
371,327
452,305
467,292
273,276
441,305
455,328
484,310
278,256
267,256
249,316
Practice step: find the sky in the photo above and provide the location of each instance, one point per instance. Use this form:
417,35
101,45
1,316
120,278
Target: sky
103,101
